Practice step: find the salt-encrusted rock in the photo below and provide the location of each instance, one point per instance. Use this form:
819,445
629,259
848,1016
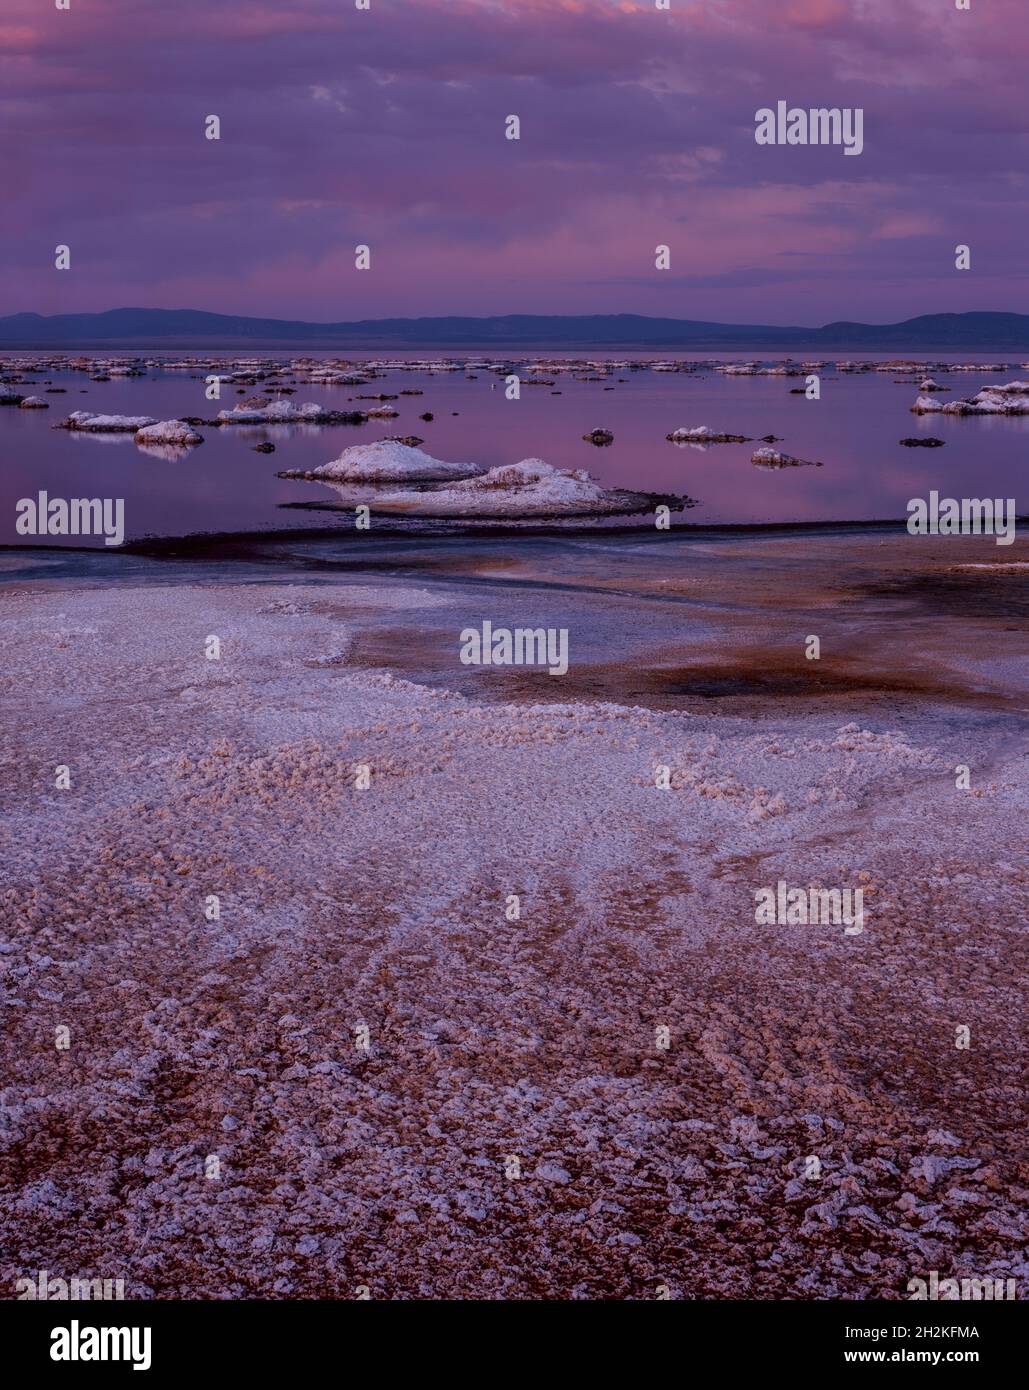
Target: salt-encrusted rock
388,461
33,403
548,1171
944,1137
329,378
288,413
9,396
266,448
772,458
382,412
174,432
1010,399
599,437
702,435
929,442
86,421
930,1167
929,385
531,488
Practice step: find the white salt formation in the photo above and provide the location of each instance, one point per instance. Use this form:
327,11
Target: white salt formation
518,490
363,474
1012,399
486,1038
767,457
169,432
279,412
87,422
702,435
388,461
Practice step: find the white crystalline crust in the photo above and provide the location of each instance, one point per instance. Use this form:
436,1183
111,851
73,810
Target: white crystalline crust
1010,399
774,458
529,488
391,462
279,412
89,422
488,1038
699,435
169,432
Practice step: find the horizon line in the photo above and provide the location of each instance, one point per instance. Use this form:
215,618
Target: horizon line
418,318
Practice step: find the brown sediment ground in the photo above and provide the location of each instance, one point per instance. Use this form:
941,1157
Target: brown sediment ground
754,682
896,626
518,1125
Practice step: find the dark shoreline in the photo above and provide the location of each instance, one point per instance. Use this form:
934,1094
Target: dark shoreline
198,541
195,544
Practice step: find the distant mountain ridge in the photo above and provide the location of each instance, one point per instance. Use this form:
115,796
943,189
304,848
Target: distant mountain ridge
983,332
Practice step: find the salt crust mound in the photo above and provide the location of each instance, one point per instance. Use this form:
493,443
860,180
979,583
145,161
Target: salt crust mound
529,488
391,462
768,457
340,1168
702,435
169,432
1011,399
279,412
87,422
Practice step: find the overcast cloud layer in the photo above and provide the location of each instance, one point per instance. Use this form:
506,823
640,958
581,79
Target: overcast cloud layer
386,127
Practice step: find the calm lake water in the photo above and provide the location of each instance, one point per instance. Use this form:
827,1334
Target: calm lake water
853,430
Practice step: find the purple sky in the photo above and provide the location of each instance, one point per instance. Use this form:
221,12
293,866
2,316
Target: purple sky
386,127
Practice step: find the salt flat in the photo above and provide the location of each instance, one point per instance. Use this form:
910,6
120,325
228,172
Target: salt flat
537,1040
